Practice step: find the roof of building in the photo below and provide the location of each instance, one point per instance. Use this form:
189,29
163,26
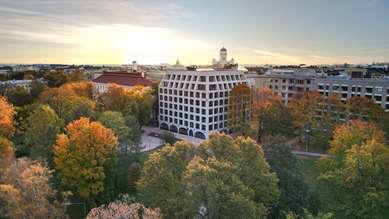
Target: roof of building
123,78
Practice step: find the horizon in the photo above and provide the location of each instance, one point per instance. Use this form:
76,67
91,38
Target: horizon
155,32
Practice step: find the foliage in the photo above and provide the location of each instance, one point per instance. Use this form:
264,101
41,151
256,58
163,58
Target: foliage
137,101
355,183
58,77
240,108
115,121
19,96
222,176
37,88
363,108
308,215
42,127
67,103
354,132
294,190
25,192
118,209
84,155
270,116
168,138
6,153
7,113
321,114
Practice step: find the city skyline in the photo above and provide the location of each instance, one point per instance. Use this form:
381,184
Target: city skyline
153,32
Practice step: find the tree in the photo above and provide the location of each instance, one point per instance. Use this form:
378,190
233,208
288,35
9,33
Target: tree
355,183
240,108
37,87
7,113
83,157
137,101
317,116
116,122
19,96
168,138
354,132
294,190
25,192
67,103
270,116
118,209
6,154
363,108
42,127
222,177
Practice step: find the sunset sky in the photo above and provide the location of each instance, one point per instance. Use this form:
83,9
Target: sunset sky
153,32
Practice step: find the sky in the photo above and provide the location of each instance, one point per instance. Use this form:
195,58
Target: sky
193,31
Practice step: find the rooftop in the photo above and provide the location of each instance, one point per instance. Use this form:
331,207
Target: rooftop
123,78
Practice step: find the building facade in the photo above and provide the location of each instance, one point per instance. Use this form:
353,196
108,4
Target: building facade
345,87
195,102
285,83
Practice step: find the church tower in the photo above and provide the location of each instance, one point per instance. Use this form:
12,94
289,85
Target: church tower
223,55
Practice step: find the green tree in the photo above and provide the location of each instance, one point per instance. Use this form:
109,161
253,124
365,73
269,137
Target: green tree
19,96
84,156
294,190
115,121
42,127
222,177
355,183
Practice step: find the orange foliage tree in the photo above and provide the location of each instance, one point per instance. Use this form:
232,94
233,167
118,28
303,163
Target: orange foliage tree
270,116
7,113
240,108
84,155
319,114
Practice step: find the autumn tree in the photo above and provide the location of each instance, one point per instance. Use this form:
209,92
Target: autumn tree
83,156
25,192
6,154
118,209
270,116
354,184
240,102
137,101
293,187
363,108
42,127
7,113
67,103
317,116
222,177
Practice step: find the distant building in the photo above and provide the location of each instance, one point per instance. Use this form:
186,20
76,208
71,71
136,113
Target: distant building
285,82
346,87
223,61
19,83
121,78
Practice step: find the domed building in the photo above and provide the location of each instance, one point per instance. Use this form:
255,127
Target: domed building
223,61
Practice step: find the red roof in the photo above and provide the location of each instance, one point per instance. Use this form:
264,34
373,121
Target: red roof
123,78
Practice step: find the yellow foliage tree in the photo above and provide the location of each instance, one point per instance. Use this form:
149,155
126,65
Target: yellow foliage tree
83,156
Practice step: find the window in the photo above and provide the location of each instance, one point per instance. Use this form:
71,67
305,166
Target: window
201,87
202,79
